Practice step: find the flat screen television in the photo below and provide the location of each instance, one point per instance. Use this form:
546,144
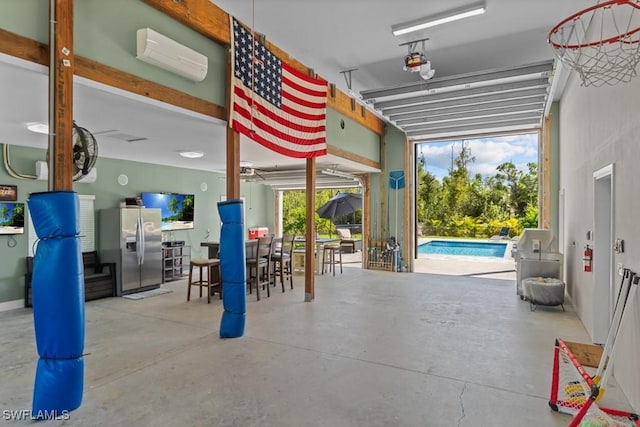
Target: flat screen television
11,218
176,209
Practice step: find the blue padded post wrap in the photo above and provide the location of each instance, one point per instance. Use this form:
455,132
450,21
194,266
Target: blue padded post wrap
58,302
232,269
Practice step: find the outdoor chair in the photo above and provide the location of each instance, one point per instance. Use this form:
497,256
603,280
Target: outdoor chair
504,234
347,243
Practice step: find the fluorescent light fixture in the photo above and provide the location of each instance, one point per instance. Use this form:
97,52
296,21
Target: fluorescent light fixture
441,18
339,174
191,154
38,127
245,164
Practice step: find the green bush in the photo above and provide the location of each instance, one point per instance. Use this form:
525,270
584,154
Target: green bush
471,227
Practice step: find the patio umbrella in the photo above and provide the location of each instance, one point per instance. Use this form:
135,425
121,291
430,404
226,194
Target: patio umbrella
340,204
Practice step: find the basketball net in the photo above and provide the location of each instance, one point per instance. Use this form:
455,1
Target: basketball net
602,42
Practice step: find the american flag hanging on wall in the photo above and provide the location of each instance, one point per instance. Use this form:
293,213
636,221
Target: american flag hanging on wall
287,111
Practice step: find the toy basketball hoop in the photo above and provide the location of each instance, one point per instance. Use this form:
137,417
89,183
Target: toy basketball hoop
601,42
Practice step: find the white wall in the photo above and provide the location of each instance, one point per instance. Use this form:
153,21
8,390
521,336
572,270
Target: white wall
598,127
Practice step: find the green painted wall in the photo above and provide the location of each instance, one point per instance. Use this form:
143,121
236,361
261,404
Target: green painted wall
259,206
352,136
28,18
375,205
394,149
105,31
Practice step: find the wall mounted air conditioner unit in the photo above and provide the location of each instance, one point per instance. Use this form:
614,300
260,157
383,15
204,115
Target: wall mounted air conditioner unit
161,51
42,173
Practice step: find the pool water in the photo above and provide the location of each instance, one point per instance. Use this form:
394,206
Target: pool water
454,247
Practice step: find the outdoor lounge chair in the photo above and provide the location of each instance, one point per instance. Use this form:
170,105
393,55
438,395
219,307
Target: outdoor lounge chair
347,243
504,234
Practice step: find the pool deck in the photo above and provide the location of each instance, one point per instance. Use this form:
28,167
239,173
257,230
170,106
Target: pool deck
454,265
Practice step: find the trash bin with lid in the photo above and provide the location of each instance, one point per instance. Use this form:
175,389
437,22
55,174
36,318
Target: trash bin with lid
543,291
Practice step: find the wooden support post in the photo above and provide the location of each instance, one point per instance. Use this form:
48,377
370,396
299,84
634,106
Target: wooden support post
233,144
277,227
366,220
409,229
61,96
310,233
233,164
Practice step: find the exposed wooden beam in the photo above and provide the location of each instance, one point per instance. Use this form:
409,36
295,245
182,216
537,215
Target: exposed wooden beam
336,151
24,48
131,83
61,103
33,51
212,22
199,15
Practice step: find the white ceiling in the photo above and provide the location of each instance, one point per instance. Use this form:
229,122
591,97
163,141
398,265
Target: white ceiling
330,36
336,35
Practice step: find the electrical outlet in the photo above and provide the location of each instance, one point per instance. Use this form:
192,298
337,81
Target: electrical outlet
535,245
620,269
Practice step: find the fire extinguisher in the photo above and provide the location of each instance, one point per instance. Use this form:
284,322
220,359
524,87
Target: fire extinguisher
587,259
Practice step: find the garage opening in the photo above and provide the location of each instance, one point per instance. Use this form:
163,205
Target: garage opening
473,199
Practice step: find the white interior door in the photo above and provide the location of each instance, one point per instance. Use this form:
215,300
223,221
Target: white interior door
602,253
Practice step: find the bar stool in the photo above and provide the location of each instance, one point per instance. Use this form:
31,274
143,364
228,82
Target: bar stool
282,261
209,264
329,253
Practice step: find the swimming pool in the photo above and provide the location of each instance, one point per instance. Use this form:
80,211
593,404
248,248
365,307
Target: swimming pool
457,247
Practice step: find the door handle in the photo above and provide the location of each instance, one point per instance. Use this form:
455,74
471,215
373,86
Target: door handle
143,239
138,241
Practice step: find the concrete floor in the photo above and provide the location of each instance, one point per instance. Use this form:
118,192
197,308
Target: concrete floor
374,349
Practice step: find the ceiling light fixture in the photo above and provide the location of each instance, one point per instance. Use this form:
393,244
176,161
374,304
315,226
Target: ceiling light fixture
340,174
38,127
191,154
441,18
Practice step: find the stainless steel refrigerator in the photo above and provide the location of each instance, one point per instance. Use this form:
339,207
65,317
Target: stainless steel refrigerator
132,238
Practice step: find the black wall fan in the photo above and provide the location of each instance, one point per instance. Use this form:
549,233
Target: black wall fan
85,151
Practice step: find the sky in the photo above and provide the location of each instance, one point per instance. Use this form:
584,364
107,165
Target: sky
488,153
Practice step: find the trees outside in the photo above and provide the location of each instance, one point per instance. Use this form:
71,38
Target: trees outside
466,206
294,210
4,212
460,205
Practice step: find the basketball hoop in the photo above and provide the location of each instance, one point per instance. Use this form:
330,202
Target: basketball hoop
601,42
